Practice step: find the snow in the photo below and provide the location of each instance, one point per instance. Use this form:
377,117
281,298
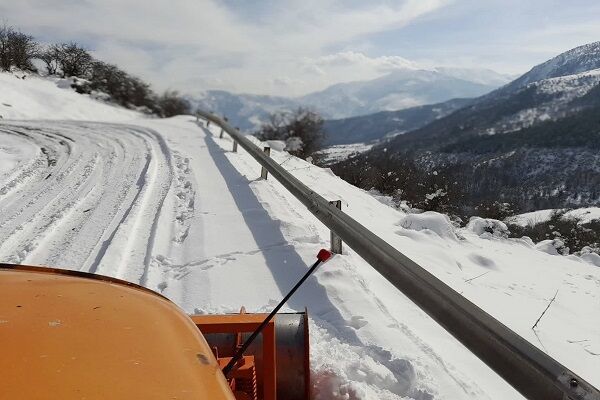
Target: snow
550,246
585,215
429,222
339,152
487,226
278,145
50,98
165,203
588,255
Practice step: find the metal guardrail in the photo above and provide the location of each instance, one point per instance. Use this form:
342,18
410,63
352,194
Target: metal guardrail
533,373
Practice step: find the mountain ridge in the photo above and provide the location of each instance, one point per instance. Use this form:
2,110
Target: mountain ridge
349,99
533,145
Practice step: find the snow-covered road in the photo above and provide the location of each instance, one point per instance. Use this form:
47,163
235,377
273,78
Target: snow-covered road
164,203
83,195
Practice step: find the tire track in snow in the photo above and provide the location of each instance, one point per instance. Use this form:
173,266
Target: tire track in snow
136,230
92,190
25,169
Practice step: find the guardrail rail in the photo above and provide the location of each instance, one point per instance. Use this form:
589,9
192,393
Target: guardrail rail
530,371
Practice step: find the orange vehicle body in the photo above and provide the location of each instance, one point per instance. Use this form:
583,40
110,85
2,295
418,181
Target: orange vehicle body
72,335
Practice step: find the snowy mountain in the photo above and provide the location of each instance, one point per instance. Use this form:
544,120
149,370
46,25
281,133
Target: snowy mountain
151,201
397,90
580,59
542,135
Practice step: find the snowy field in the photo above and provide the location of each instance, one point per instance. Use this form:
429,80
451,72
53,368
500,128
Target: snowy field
166,204
584,215
339,152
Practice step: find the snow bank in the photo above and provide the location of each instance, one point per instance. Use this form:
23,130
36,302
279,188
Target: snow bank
487,227
342,371
430,222
589,256
35,97
277,145
554,247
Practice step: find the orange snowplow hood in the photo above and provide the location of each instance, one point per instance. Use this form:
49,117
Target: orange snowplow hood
66,336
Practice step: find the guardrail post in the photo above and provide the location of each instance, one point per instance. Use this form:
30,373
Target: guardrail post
221,134
264,173
234,146
336,241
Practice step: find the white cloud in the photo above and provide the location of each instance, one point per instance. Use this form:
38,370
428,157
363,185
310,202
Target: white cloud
351,58
193,45
186,44
350,66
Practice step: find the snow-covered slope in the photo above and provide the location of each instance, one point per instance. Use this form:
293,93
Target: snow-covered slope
550,100
26,96
574,61
166,204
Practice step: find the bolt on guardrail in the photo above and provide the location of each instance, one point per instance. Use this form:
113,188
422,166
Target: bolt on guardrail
535,374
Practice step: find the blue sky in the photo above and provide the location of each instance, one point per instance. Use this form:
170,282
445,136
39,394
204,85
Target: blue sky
292,47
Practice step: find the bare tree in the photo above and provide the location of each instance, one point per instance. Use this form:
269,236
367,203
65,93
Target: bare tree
73,60
301,129
5,61
16,49
50,57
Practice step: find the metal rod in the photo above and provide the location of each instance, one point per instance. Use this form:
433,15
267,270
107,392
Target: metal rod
240,353
533,373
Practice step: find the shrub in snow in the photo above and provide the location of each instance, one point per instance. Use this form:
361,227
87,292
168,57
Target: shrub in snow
401,176
302,130
123,88
590,255
487,227
430,221
172,104
574,234
494,209
294,144
553,247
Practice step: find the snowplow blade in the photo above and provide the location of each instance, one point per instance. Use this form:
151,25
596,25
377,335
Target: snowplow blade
289,351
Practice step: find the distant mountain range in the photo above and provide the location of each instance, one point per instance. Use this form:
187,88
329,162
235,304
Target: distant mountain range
400,89
387,124
534,141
